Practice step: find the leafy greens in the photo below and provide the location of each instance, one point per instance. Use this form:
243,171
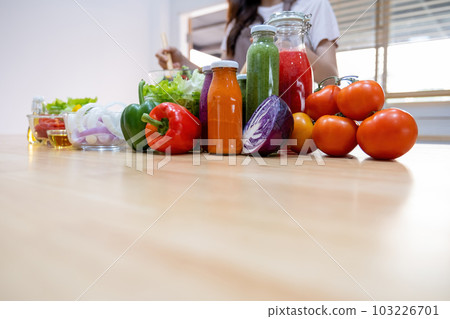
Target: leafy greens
59,106
182,90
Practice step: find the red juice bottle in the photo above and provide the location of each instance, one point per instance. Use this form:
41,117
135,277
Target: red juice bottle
296,81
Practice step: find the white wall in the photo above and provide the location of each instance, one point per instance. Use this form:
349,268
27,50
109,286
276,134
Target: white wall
52,48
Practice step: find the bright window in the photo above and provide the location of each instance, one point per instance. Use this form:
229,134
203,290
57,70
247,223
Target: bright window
403,44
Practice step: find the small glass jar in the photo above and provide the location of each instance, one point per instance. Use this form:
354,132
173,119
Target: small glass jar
58,138
224,110
263,64
296,80
242,80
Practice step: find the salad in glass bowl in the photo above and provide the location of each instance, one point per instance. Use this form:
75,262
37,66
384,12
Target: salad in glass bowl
95,127
40,124
182,87
48,116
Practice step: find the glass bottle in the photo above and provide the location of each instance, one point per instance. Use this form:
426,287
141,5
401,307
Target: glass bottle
242,80
296,80
37,107
262,68
203,108
224,110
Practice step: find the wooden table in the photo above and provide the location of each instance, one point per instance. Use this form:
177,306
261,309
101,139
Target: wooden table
84,225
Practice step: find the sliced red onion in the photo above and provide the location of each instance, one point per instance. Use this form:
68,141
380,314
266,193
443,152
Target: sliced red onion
94,131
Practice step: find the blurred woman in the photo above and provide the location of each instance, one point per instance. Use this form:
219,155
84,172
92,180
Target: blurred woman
243,14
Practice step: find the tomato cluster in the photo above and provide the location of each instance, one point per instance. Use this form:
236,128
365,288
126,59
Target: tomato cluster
46,124
382,134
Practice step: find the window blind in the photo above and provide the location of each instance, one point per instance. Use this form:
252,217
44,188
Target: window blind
419,20
391,29
357,23
361,22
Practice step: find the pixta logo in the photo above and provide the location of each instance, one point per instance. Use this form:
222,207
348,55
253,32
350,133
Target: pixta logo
146,161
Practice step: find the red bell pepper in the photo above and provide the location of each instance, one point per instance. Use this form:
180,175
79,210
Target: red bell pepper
171,125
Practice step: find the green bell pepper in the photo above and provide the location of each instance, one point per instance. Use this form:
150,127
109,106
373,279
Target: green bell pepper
133,128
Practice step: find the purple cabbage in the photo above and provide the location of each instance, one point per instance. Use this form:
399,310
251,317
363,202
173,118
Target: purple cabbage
272,120
203,107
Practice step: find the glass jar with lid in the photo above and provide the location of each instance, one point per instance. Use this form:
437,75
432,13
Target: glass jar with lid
296,80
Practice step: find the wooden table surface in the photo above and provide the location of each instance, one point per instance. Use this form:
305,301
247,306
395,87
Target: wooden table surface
84,225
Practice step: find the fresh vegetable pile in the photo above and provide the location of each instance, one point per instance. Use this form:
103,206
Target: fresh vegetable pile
165,119
343,119
162,126
382,134
184,89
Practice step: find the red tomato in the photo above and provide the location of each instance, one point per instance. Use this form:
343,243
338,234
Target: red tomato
335,135
322,102
387,134
358,100
46,124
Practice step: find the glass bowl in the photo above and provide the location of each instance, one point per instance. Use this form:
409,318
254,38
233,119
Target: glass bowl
58,138
40,124
95,127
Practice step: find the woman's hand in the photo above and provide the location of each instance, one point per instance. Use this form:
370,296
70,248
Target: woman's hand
323,61
178,59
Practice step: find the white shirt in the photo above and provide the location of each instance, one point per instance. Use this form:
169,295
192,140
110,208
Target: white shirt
323,21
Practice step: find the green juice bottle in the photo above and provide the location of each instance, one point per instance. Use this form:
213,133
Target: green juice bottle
263,64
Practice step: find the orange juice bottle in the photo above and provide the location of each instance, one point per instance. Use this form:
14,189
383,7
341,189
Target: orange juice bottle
224,110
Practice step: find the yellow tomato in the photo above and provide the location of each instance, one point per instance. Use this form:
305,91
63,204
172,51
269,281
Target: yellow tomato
302,131
76,107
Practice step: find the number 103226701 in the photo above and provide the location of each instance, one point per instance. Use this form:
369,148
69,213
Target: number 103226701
405,310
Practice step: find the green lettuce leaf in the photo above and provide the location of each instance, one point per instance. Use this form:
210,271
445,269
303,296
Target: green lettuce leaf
182,90
58,106
86,100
